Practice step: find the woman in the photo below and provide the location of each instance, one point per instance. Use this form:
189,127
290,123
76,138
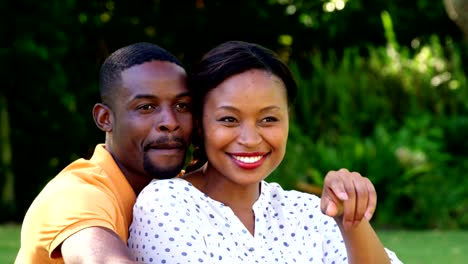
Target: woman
223,211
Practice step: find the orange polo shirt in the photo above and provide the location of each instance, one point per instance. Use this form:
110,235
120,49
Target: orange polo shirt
87,193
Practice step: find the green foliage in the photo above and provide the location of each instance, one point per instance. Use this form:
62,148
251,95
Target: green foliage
398,116
360,91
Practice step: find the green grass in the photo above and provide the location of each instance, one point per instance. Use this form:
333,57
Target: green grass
9,243
418,247
412,247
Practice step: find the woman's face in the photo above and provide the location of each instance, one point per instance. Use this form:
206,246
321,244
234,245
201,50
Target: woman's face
245,124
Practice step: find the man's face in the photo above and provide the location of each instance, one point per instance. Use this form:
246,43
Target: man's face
152,121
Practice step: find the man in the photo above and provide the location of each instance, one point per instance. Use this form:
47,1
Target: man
83,214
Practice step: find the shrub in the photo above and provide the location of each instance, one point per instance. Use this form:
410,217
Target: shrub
399,116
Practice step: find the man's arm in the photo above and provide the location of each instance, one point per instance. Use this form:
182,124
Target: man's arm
351,200
95,245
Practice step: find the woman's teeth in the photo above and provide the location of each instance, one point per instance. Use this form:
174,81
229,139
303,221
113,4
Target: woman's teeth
248,159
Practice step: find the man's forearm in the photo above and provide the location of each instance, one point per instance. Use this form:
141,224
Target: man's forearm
95,245
363,245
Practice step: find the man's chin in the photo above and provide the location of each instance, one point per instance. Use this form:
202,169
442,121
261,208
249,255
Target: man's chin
161,168
166,175
162,173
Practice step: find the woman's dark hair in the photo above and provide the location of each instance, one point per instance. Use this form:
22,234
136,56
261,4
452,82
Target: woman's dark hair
226,60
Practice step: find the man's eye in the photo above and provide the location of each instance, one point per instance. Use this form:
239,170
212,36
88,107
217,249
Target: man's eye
146,107
182,107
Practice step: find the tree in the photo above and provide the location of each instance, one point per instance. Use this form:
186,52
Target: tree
51,51
8,192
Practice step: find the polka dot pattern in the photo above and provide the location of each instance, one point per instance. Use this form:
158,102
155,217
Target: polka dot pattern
173,222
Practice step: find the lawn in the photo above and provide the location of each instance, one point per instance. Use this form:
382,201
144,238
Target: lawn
412,247
9,243
427,247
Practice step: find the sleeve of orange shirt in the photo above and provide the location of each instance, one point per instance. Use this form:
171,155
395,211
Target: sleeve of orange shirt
67,205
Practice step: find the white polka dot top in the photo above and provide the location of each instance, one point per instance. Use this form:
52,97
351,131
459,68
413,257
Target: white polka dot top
173,222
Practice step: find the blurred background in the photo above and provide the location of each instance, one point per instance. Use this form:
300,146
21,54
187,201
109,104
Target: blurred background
383,90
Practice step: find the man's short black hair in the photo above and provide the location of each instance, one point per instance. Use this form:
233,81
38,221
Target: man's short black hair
127,57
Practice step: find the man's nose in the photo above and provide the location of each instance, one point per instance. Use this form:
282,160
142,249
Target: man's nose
168,121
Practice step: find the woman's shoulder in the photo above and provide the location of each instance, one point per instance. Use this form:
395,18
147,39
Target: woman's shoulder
292,203
164,188
274,191
174,182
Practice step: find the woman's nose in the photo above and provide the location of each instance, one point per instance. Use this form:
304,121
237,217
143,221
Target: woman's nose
249,135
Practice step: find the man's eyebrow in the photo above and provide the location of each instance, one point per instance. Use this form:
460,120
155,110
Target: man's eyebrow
152,96
144,96
184,94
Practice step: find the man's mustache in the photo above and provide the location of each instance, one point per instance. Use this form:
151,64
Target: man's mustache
166,143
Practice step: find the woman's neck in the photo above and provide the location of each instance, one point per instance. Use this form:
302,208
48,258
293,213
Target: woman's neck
240,198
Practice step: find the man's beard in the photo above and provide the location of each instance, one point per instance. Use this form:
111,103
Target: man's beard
158,172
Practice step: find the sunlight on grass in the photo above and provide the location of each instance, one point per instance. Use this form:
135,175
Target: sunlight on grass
422,247
9,242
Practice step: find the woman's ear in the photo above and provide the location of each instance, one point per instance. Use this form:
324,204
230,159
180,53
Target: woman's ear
103,117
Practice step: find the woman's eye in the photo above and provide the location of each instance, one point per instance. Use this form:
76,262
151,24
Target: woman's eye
269,119
227,119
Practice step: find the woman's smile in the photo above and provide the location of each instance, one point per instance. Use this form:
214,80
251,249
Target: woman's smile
249,160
